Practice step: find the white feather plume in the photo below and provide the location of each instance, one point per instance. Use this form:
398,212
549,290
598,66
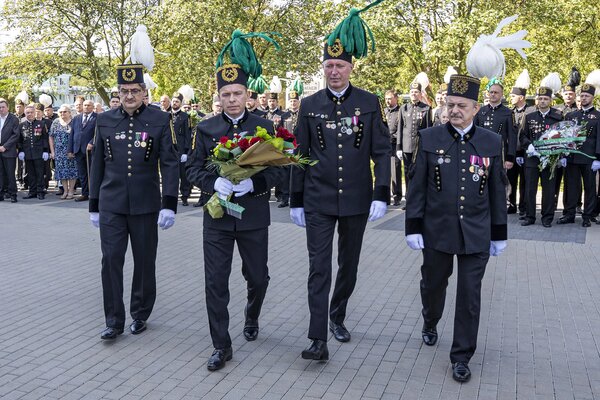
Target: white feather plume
594,79
275,85
449,72
552,81
423,79
149,82
45,99
523,81
23,96
142,51
485,58
187,92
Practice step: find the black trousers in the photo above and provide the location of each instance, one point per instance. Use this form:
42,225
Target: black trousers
35,176
319,234
20,171
185,187
437,268
8,181
82,171
574,174
282,189
408,160
532,177
218,255
115,231
516,178
396,177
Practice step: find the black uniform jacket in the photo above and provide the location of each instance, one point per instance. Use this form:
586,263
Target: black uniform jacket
392,115
455,212
413,117
33,139
10,136
124,176
591,146
183,131
533,126
499,119
257,213
344,135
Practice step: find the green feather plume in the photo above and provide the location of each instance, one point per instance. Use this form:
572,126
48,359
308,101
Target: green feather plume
298,86
242,53
353,32
492,82
257,85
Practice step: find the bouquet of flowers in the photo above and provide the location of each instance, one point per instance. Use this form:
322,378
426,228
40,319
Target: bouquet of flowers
559,140
247,154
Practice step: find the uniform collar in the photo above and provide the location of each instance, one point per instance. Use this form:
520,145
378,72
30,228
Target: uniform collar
494,108
344,94
544,114
231,121
456,133
135,113
587,110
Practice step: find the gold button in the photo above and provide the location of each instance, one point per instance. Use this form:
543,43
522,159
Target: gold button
463,151
340,157
129,145
462,179
340,168
339,113
462,198
461,217
339,124
339,135
340,180
339,146
463,170
463,142
340,191
129,174
129,138
462,188
129,167
130,131
462,207
235,126
131,125
128,151
463,161
129,160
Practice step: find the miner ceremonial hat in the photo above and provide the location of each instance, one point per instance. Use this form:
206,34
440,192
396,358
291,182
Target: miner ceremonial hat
464,86
141,56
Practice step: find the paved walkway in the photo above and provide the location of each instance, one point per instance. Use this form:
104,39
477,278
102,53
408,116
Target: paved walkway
539,333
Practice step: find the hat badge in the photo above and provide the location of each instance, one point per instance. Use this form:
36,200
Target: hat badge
542,91
129,74
229,74
336,49
460,86
586,86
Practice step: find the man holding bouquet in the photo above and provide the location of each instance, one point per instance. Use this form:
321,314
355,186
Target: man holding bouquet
221,233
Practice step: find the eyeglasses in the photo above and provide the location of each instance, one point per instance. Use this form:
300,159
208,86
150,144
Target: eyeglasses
127,92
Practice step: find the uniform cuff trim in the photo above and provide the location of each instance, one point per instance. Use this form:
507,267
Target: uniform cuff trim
259,184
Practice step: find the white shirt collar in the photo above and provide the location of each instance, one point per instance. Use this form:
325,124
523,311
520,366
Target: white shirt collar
235,120
462,132
338,94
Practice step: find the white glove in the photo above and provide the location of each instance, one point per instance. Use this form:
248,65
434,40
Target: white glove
223,187
562,162
399,154
497,247
595,165
245,186
166,218
184,158
531,152
378,209
415,241
297,216
21,156
520,161
95,219
45,156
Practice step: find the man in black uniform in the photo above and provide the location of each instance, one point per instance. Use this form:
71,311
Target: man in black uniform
33,149
342,127
252,104
456,205
131,144
516,175
534,125
289,120
498,118
392,116
9,139
581,167
414,115
183,135
20,114
220,234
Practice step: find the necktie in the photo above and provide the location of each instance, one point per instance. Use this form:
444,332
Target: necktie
85,118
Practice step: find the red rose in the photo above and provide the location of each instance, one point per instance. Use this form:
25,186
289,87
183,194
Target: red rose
223,139
285,134
255,140
243,144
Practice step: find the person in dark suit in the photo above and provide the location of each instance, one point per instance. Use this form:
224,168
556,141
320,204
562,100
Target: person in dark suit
414,115
580,167
342,127
131,144
534,125
220,234
183,134
9,138
456,206
81,145
34,149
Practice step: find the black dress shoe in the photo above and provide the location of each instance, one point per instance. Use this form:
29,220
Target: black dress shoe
110,333
565,220
184,202
137,326
251,329
316,351
547,224
218,359
521,213
283,204
13,199
586,223
511,210
30,196
41,196
82,198
340,333
461,372
578,210
527,222
429,335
